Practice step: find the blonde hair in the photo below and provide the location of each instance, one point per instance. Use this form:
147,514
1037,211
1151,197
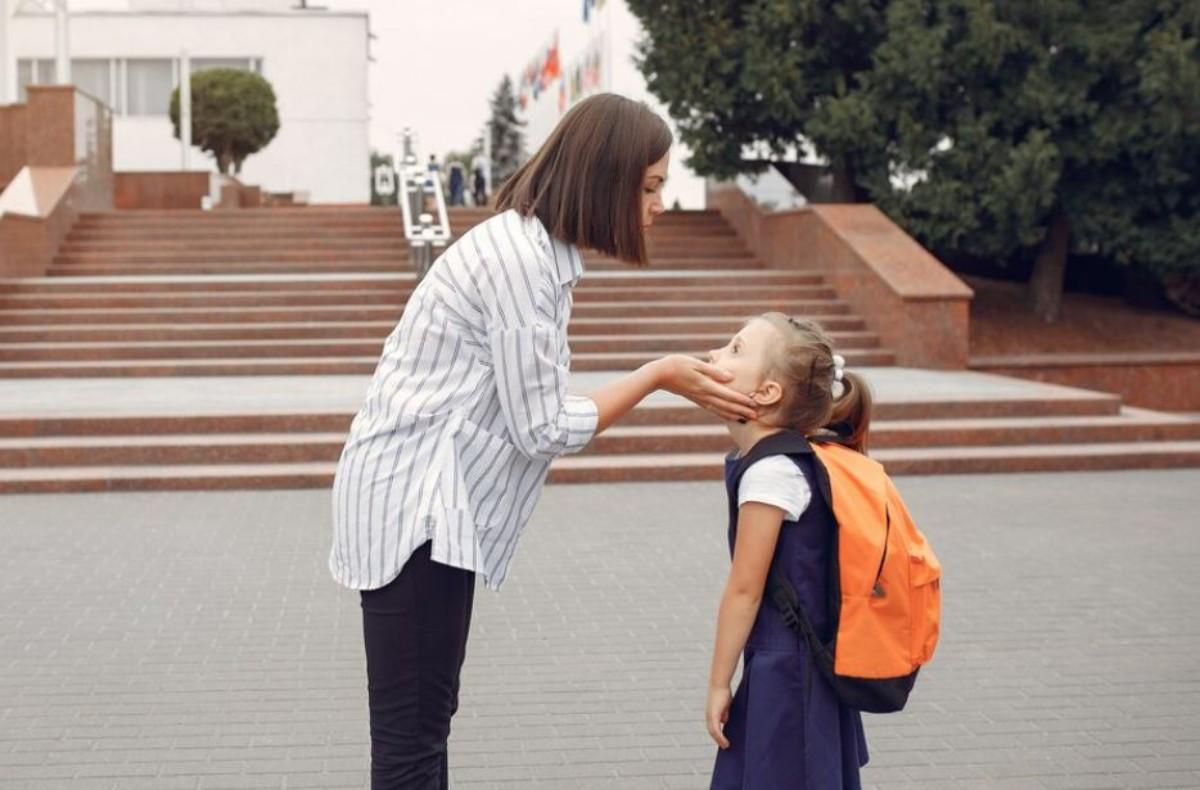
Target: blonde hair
803,363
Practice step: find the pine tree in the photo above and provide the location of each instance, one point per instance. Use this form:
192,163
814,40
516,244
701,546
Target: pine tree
508,139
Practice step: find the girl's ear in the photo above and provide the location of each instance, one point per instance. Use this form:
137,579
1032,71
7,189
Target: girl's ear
769,393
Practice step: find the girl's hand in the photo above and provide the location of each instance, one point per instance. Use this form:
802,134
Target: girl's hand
719,700
701,383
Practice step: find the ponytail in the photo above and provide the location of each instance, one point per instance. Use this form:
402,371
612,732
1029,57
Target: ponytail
851,415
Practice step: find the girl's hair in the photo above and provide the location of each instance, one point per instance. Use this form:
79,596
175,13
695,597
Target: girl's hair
804,363
585,182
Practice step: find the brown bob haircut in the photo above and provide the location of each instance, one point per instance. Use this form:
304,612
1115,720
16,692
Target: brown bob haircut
585,182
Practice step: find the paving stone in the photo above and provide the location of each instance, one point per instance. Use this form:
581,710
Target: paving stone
198,636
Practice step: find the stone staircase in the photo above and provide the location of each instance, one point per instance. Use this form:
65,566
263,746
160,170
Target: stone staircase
118,367
315,291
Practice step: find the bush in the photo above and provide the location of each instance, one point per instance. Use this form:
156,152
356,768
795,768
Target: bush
233,115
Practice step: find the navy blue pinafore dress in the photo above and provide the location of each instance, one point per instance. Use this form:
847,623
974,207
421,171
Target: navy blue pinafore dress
787,729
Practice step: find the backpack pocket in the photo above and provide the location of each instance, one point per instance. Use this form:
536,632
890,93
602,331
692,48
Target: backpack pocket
925,581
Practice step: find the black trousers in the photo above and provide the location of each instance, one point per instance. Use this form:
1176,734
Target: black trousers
415,632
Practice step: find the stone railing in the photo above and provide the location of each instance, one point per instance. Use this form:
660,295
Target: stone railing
66,170
919,308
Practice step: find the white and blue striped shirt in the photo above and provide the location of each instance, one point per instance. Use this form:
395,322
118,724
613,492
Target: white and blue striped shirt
466,410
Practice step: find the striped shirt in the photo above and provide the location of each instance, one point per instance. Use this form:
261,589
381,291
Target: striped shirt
467,408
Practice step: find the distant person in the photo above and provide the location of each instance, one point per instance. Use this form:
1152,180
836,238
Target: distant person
457,183
479,174
434,167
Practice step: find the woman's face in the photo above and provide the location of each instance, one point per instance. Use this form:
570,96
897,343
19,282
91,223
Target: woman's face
652,187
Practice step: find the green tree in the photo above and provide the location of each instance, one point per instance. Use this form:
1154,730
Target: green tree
233,115
1030,130
508,139
1015,132
755,73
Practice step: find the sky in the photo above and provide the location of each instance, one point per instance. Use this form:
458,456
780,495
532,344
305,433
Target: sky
437,61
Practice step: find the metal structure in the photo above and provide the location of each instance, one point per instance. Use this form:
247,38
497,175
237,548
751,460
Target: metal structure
423,206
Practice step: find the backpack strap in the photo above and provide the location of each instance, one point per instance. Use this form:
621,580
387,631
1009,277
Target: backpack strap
790,443
779,590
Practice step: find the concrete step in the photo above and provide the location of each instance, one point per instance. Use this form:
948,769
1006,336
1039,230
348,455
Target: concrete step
206,255
384,266
135,241
401,280
140,243
239,254
324,346
844,331
1074,410
398,296
316,446
342,312
607,468
174,363
388,266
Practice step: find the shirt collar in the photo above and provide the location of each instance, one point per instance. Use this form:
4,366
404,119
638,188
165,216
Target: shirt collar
565,258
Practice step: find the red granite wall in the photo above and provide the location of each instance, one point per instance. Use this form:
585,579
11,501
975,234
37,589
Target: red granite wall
160,190
1167,381
919,308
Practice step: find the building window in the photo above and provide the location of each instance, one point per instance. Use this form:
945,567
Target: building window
93,76
241,64
148,85
34,72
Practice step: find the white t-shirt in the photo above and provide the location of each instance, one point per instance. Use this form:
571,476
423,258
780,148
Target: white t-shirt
776,481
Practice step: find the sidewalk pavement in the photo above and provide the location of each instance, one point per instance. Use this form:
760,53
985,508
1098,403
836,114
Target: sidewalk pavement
195,640
281,394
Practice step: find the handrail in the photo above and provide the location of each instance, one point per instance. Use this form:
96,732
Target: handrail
416,188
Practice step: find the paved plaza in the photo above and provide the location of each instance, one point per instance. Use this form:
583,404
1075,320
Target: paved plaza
195,640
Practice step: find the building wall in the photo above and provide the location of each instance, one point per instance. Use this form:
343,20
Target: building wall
315,61
618,32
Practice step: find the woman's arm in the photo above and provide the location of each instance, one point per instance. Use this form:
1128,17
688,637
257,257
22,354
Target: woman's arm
758,532
697,381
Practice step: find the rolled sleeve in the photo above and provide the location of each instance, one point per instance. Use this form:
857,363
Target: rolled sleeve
531,379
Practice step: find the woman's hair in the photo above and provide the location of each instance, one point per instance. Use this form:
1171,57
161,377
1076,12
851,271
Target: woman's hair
585,182
803,362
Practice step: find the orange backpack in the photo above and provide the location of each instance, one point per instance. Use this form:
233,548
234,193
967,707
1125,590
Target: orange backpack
887,606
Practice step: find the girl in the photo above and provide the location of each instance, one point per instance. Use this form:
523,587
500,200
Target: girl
468,406
785,728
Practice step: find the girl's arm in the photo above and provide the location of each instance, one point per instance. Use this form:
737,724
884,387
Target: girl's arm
757,534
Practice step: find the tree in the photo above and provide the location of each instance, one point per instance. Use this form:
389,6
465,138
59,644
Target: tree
1016,132
736,74
1031,130
508,141
233,115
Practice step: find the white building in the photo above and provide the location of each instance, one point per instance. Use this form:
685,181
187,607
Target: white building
315,60
594,54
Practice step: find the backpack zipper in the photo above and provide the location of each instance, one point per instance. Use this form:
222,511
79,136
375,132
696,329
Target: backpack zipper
877,590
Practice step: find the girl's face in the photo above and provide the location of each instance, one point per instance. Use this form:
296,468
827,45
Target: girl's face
747,357
652,186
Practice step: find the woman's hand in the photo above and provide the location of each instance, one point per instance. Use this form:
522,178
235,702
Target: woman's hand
701,383
719,700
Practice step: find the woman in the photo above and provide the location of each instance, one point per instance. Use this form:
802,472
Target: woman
468,406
